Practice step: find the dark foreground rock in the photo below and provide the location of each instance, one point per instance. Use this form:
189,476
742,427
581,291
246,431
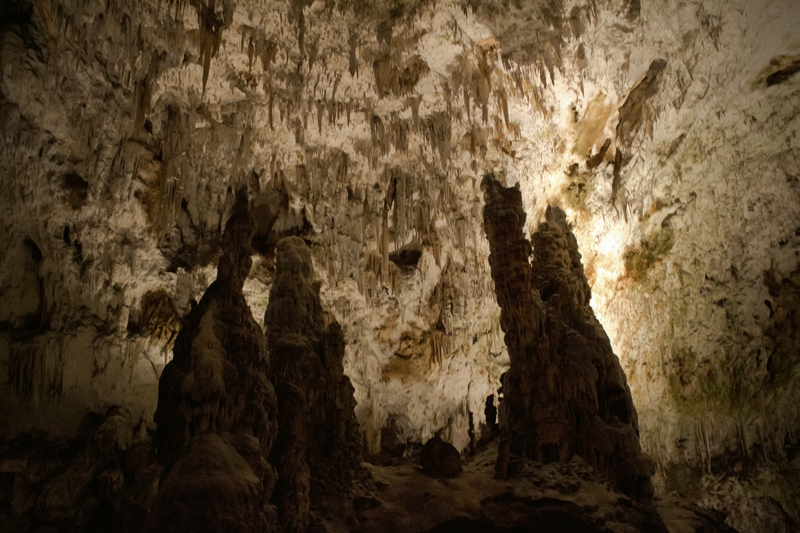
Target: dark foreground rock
566,393
440,459
217,411
507,513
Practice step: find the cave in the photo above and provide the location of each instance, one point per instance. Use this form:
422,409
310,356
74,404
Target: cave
400,265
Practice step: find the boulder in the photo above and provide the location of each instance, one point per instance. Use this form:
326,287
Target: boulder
440,459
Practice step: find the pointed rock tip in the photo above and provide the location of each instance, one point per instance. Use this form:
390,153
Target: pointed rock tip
241,225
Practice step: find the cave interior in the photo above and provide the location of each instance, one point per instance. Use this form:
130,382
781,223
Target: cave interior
304,266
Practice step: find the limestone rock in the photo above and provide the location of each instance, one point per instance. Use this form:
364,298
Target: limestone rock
667,131
565,393
440,459
217,412
317,435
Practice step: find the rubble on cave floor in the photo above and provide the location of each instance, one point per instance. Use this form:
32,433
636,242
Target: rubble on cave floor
569,496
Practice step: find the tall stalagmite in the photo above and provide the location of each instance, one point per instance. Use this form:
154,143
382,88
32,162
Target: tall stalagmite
566,393
317,446
217,411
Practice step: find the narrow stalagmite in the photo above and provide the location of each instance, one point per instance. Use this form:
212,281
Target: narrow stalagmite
217,411
317,447
566,393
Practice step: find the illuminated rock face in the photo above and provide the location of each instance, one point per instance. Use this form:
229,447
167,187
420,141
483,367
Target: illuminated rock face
217,411
565,393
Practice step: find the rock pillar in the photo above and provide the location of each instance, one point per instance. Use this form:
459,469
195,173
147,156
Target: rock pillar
307,351
217,411
565,393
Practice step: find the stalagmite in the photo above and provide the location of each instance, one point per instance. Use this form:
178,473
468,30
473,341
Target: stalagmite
307,369
565,393
217,412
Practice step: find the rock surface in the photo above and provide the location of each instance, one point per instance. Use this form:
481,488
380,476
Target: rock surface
101,481
565,393
553,497
317,445
217,411
440,459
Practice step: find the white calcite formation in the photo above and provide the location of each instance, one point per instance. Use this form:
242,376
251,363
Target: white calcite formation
667,131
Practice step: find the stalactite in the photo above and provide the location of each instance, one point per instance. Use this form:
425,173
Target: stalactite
378,132
384,243
440,347
343,167
436,247
371,274
143,93
764,450
399,134
745,447
320,105
36,368
461,233
211,25
266,50
163,202
399,186
438,134
394,275
704,430
270,102
251,50
421,219
180,7
374,423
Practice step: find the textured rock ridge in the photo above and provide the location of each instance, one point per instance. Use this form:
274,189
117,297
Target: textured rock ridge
217,411
565,393
317,434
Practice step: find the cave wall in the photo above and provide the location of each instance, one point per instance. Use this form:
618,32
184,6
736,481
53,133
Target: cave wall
342,137
667,132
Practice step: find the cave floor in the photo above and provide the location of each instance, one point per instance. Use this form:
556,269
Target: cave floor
540,497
